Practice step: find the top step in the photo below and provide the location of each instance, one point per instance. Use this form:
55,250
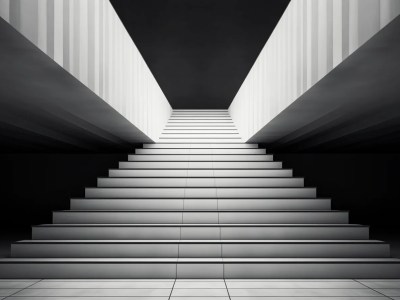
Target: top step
200,146
200,110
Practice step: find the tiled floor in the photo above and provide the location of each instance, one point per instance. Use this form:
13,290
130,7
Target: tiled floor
199,289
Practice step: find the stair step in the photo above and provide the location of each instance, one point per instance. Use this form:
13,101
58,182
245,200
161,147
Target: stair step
200,182
126,268
200,126
200,217
201,151
213,173
200,141
200,157
217,145
200,121
200,136
200,165
199,232
200,192
200,131
193,114
204,204
200,248
196,117
178,126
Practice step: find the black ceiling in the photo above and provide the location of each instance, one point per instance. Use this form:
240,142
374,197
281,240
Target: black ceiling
200,51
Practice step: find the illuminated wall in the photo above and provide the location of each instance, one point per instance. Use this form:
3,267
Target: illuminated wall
312,38
87,38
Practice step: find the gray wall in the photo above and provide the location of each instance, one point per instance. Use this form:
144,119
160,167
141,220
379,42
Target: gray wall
87,39
312,38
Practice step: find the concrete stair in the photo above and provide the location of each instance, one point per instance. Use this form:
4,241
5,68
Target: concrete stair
200,203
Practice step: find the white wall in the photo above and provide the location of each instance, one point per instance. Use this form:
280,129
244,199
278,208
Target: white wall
87,38
311,38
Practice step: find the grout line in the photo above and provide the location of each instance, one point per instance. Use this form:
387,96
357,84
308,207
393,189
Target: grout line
22,289
173,286
357,280
220,233
227,290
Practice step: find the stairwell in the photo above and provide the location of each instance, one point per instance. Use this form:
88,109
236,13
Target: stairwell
200,203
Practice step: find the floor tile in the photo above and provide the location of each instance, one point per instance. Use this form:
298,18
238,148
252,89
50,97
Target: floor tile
201,298
290,280
294,284
199,292
201,284
381,284
87,298
110,280
303,292
389,292
200,280
15,284
7,292
93,292
103,285
310,298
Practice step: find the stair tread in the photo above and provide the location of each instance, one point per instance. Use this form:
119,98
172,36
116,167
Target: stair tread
201,241
205,169
201,260
203,161
203,154
198,225
201,177
168,199
206,187
200,211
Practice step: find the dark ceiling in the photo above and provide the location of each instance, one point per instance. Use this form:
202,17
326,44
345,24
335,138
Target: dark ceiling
200,51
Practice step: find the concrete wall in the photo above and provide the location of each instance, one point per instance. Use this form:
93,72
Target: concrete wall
312,38
87,38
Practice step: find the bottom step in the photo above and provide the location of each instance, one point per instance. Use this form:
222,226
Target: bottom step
294,268
200,249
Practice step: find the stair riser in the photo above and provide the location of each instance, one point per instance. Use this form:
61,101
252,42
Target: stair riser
200,136
200,131
200,157
200,111
199,126
200,182
200,146
199,233
201,173
70,217
200,192
202,151
222,127
215,115
204,204
200,250
201,117
200,165
207,270
200,121
200,140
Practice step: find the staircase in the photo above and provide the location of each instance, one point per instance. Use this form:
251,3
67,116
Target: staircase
200,203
